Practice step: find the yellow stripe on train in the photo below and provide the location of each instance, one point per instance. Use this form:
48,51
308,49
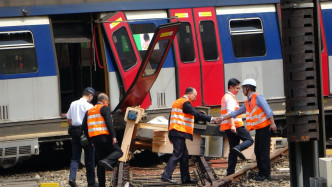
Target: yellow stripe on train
115,23
204,14
164,34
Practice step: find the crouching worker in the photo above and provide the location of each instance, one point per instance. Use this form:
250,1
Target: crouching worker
98,126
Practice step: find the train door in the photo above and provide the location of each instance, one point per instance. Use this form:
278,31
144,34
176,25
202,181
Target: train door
143,24
324,58
326,9
125,52
198,54
74,51
151,65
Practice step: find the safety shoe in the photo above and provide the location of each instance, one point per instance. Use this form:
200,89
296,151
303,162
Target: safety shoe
239,153
164,179
72,183
190,181
262,178
93,185
106,165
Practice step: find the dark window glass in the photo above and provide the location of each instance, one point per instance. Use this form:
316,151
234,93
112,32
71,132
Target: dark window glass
143,34
155,58
209,40
17,53
185,42
124,49
247,37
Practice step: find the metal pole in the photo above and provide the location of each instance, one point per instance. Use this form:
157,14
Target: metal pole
303,91
299,168
315,161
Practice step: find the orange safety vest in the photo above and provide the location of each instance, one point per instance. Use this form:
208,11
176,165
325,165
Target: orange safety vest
96,122
226,124
180,121
255,115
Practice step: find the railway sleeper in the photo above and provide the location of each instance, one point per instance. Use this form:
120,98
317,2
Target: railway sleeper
123,175
203,173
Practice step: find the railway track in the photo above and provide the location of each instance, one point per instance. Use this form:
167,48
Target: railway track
242,174
201,170
139,174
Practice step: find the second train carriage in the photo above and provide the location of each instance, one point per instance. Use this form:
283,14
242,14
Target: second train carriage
50,51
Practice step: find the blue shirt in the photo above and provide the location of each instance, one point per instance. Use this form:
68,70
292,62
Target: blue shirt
260,101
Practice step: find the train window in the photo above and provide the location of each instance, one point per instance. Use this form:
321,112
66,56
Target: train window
185,43
17,52
209,40
124,48
155,57
247,37
143,34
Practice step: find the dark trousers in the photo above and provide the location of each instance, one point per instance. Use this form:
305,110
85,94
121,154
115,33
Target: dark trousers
108,152
234,140
262,150
89,154
180,154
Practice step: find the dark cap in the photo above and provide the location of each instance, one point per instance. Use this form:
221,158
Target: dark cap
91,90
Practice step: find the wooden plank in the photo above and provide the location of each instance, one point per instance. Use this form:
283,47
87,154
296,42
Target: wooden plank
152,126
161,143
126,141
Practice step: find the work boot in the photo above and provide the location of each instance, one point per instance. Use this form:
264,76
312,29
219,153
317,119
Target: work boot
262,178
164,179
72,183
106,165
190,181
238,153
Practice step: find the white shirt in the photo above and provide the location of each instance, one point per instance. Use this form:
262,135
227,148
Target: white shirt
231,103
77,111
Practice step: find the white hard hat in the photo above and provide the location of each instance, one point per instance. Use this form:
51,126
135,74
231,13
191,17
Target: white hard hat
251,82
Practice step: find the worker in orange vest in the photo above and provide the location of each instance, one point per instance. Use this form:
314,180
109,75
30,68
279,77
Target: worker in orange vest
234,127
259,117
98,126
181,127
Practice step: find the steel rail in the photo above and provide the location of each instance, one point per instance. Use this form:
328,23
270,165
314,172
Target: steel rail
242,173
205,173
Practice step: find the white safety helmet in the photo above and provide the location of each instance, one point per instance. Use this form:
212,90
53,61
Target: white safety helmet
251,82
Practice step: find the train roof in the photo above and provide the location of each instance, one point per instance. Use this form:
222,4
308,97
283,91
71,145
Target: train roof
15,8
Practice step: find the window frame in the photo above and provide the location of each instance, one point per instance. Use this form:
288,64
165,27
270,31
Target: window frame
21,46
216,40
192,37
260,31
131,26
129,42
149,61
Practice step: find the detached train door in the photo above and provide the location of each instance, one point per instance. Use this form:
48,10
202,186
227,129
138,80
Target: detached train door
198,54
124,49
324,58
